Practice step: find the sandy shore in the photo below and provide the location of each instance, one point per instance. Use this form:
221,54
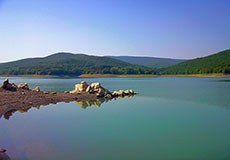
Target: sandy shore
123,76
220,75
151,75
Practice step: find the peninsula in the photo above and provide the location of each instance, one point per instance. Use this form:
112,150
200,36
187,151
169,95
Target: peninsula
14,96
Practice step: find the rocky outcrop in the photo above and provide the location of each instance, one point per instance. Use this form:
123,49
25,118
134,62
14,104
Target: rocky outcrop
23,86
37,89
83,87
80,87
123,93
96,88
8,86
12,87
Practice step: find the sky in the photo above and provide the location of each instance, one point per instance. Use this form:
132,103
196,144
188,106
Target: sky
180,29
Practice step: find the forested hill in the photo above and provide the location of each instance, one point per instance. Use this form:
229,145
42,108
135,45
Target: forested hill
215,63
152,62
71,64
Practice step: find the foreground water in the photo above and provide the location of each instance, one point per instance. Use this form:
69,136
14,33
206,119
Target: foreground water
171,118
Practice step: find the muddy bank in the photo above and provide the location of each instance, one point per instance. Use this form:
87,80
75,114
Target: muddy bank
27,98
14,97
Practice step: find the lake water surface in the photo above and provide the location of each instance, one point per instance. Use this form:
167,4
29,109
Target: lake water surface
170,119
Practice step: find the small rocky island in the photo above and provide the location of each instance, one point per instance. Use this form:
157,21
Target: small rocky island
17,96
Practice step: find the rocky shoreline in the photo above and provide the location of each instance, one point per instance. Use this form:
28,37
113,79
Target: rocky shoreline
14,97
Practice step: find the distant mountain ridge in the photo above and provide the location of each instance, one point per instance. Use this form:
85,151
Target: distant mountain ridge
70,64
153,62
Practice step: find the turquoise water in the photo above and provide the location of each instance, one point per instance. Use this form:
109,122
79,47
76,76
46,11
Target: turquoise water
170,118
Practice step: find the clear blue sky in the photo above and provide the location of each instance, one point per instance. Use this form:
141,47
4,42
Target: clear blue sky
161,28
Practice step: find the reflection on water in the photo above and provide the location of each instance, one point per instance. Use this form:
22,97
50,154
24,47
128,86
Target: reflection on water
8,114
223,80
84,104
97,102
92,103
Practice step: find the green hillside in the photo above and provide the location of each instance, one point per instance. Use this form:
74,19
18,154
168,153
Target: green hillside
149,61
215,63
62,64
71,64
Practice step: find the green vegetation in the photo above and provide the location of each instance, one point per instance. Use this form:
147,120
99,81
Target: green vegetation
67,64
151,62
72,65
216,63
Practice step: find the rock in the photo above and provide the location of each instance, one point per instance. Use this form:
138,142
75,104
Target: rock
108,96
53,92
14,85
2,150
73,91
66,92
89,89
131,91
45,92
98,95
37,89
127,92
115,93
102,92
121,93
96,85
81,87
99,91
23,86
106,91
6,85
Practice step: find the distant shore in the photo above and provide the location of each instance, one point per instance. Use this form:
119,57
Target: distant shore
152,75
217,75
115,75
